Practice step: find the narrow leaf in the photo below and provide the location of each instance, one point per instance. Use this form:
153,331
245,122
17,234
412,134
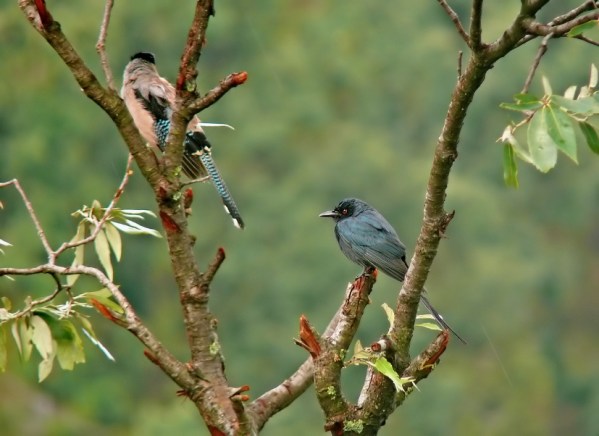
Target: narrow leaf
6,302
510,169
583,105
114,239
22,336
3,350
45,368
383,366
103,252
590,134
42,337
543,150
98,344
526,98
581,28
429,325
594,74
561,130
570,92
522,107
135,229
546,86
390,314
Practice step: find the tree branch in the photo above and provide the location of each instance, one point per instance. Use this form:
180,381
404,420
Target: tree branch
99,224
38,227
100,45
456,21
535,63
475,25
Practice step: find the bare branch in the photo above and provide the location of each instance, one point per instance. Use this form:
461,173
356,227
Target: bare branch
214,265
456,21
40,231
215,94
535,64
100,45
459,68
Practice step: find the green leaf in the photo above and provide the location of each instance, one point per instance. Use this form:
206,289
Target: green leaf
45,368
3,350
69,345
581,28
522,107
509,138
594,78
114,239
525,98
42,337
510,169
103,252
429,325
583,106
543,150
103,296
22,335
6,302
383,366
590,134
561,130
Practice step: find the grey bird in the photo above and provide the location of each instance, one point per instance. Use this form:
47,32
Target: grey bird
150,99
367,238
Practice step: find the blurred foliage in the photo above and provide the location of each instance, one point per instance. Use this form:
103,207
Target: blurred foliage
343,98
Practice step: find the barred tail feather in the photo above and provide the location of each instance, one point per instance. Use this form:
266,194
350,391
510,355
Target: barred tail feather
222,189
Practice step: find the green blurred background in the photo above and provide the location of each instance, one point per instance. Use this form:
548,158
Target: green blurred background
343,99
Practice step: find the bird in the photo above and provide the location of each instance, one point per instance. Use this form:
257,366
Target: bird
150,100
366,238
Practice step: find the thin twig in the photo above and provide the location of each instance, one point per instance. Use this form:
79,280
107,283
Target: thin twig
33,304
475,24
460,55
100,223
456,21
535,63
40,231
100,45
588,40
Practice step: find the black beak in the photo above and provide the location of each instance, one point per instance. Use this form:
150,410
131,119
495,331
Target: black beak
329,214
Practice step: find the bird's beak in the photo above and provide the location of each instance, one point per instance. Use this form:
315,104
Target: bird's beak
329,214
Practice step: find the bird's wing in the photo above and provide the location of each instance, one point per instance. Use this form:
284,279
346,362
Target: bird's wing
156,96
369,239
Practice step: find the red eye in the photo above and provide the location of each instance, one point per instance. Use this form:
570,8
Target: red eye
344,211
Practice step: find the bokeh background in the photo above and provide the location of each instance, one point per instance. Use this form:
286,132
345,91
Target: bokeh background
343,99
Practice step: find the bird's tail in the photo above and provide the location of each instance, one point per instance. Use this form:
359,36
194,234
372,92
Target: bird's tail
196,144
438,317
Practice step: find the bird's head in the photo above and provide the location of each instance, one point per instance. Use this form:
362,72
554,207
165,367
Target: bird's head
144,55
346,208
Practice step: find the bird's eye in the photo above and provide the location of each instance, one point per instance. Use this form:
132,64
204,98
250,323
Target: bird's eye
344,211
